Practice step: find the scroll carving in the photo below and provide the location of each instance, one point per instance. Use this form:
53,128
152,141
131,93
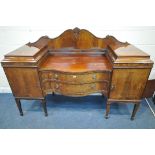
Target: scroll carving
76,32
78,38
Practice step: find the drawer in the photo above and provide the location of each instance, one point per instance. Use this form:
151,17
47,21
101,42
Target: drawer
75,78
46,75
83,89
47,87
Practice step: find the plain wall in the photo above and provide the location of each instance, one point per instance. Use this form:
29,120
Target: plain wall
12,38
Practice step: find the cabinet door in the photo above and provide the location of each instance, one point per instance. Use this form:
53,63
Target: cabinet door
128,84
24,82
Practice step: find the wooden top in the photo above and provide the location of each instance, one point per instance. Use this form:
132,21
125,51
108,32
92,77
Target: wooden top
24,56
76,63
24,51
130,51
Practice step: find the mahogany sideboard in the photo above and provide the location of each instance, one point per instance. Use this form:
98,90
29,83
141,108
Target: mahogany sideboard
77,63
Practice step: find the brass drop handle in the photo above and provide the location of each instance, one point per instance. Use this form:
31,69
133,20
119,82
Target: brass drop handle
112,87
57,86
74,76
94,76
50,75
56,76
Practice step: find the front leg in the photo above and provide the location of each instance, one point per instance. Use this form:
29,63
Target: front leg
44,107
107,109
135,109
18,103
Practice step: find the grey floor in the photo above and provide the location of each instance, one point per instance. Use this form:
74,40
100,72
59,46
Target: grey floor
73,113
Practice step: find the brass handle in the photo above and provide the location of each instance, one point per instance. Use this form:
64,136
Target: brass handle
57,86
112,87
74,76
94,76
56,76
50,75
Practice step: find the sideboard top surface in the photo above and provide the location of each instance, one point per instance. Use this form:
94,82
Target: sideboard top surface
76,63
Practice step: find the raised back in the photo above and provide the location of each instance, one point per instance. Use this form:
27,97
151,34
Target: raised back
76,38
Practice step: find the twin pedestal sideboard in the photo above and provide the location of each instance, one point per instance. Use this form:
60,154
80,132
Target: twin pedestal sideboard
77,63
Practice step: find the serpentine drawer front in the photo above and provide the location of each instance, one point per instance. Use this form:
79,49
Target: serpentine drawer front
80,90
77,63
75,78
75,84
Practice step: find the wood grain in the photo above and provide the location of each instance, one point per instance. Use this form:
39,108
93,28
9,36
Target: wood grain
24,82
128,84
77,63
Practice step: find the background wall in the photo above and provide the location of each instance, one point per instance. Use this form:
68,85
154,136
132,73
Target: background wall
13,37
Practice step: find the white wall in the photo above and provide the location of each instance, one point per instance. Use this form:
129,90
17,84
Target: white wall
13,37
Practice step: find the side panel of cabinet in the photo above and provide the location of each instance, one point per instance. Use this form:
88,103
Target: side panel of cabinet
128,84
24,82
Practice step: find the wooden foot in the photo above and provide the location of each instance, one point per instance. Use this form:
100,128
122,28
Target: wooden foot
102,95
44,107
106,117
107,110
53,94
18,103
135,109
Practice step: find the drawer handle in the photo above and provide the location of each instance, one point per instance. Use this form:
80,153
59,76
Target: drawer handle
74,76
56,86
112,87
94,76
56,76
50,75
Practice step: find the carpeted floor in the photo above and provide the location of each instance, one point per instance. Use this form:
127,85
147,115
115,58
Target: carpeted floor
72,113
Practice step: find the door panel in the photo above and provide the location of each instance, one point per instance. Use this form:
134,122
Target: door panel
24,82
128,84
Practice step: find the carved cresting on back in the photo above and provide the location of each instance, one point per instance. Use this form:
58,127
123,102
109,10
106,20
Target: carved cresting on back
76,32
80,39
77,38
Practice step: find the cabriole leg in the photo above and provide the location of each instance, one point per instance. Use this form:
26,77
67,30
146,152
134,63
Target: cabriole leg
44,107
135,109
18,103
